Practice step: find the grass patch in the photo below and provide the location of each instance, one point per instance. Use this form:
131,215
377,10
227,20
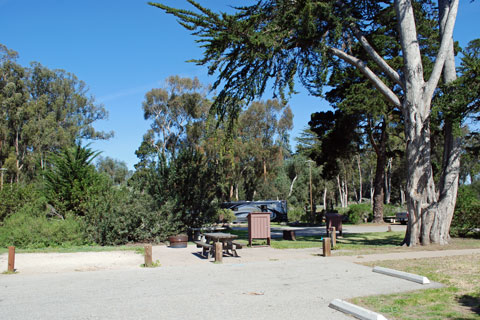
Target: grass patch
155,264
9,272
390,242
460,299
360,243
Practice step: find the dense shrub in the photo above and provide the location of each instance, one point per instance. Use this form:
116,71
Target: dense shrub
296,214
120,216
466,219
391,210
29,228
357,212
14,196
225,215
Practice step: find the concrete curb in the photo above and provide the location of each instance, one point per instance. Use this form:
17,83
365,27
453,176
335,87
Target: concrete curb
354,310
401,274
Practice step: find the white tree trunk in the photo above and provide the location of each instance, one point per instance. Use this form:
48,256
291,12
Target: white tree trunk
325,198
421,195
291,185
388,181
448,185
360,178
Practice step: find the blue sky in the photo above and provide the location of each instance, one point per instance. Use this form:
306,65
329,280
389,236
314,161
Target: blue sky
124,48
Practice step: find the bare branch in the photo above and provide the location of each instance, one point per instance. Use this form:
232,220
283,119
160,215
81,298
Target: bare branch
442,52
377,82
377,58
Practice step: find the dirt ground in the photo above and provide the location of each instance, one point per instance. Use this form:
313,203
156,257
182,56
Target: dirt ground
37,263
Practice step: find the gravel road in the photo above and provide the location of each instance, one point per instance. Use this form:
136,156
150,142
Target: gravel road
283,289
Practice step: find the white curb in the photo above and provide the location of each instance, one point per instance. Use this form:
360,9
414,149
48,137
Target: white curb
401,274
354,310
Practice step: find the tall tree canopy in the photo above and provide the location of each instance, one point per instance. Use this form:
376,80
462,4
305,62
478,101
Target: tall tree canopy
279,39
42,111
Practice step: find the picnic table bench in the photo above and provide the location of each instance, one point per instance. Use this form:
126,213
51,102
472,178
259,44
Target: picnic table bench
207,250
226,239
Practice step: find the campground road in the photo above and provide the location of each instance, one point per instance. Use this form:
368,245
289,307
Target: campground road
291,289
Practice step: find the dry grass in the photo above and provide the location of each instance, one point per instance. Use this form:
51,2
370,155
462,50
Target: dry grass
459,299
390,242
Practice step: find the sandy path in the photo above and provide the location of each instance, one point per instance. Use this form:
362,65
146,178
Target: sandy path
37,263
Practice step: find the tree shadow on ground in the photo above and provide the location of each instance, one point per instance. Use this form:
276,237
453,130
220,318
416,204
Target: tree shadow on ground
368,240
472,302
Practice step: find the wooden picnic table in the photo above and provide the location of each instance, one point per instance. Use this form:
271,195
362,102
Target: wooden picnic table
229,246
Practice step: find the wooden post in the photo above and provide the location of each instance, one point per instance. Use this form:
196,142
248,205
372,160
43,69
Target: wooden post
148,255
333,237
218,251
11,259
389,229
326,247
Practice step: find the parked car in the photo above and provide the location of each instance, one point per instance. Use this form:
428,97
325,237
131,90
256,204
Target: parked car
402,217
241,209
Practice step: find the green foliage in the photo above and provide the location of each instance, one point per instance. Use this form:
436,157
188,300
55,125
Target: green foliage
116,170
192,189
466,219
391,210
14,196
29,228
296,214
225,215
42,111
70,180
357,212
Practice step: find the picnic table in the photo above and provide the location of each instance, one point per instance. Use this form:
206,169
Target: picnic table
226,239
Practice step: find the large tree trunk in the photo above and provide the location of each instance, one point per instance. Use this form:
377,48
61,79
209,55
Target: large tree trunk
422,202
388,181
360,180
378,194
448,185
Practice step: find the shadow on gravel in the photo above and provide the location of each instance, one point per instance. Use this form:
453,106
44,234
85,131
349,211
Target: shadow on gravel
471,302
369,240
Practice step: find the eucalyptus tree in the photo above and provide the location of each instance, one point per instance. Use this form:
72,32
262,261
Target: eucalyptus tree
282,38
42,111
174,111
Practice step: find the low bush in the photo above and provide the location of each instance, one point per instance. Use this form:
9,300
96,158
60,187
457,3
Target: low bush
225,215
27,229
356,213
466,219
14,196
391,210
296,214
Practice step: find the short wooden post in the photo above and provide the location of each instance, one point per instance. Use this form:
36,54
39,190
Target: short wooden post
218,252
389,229
11,259
333,237
148,255
326,247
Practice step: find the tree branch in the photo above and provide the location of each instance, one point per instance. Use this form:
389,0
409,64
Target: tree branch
377,58
377,82
442,52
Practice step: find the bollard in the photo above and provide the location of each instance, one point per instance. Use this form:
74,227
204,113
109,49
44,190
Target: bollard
148,255
389,229
333,237
11,259
326,247
218,252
